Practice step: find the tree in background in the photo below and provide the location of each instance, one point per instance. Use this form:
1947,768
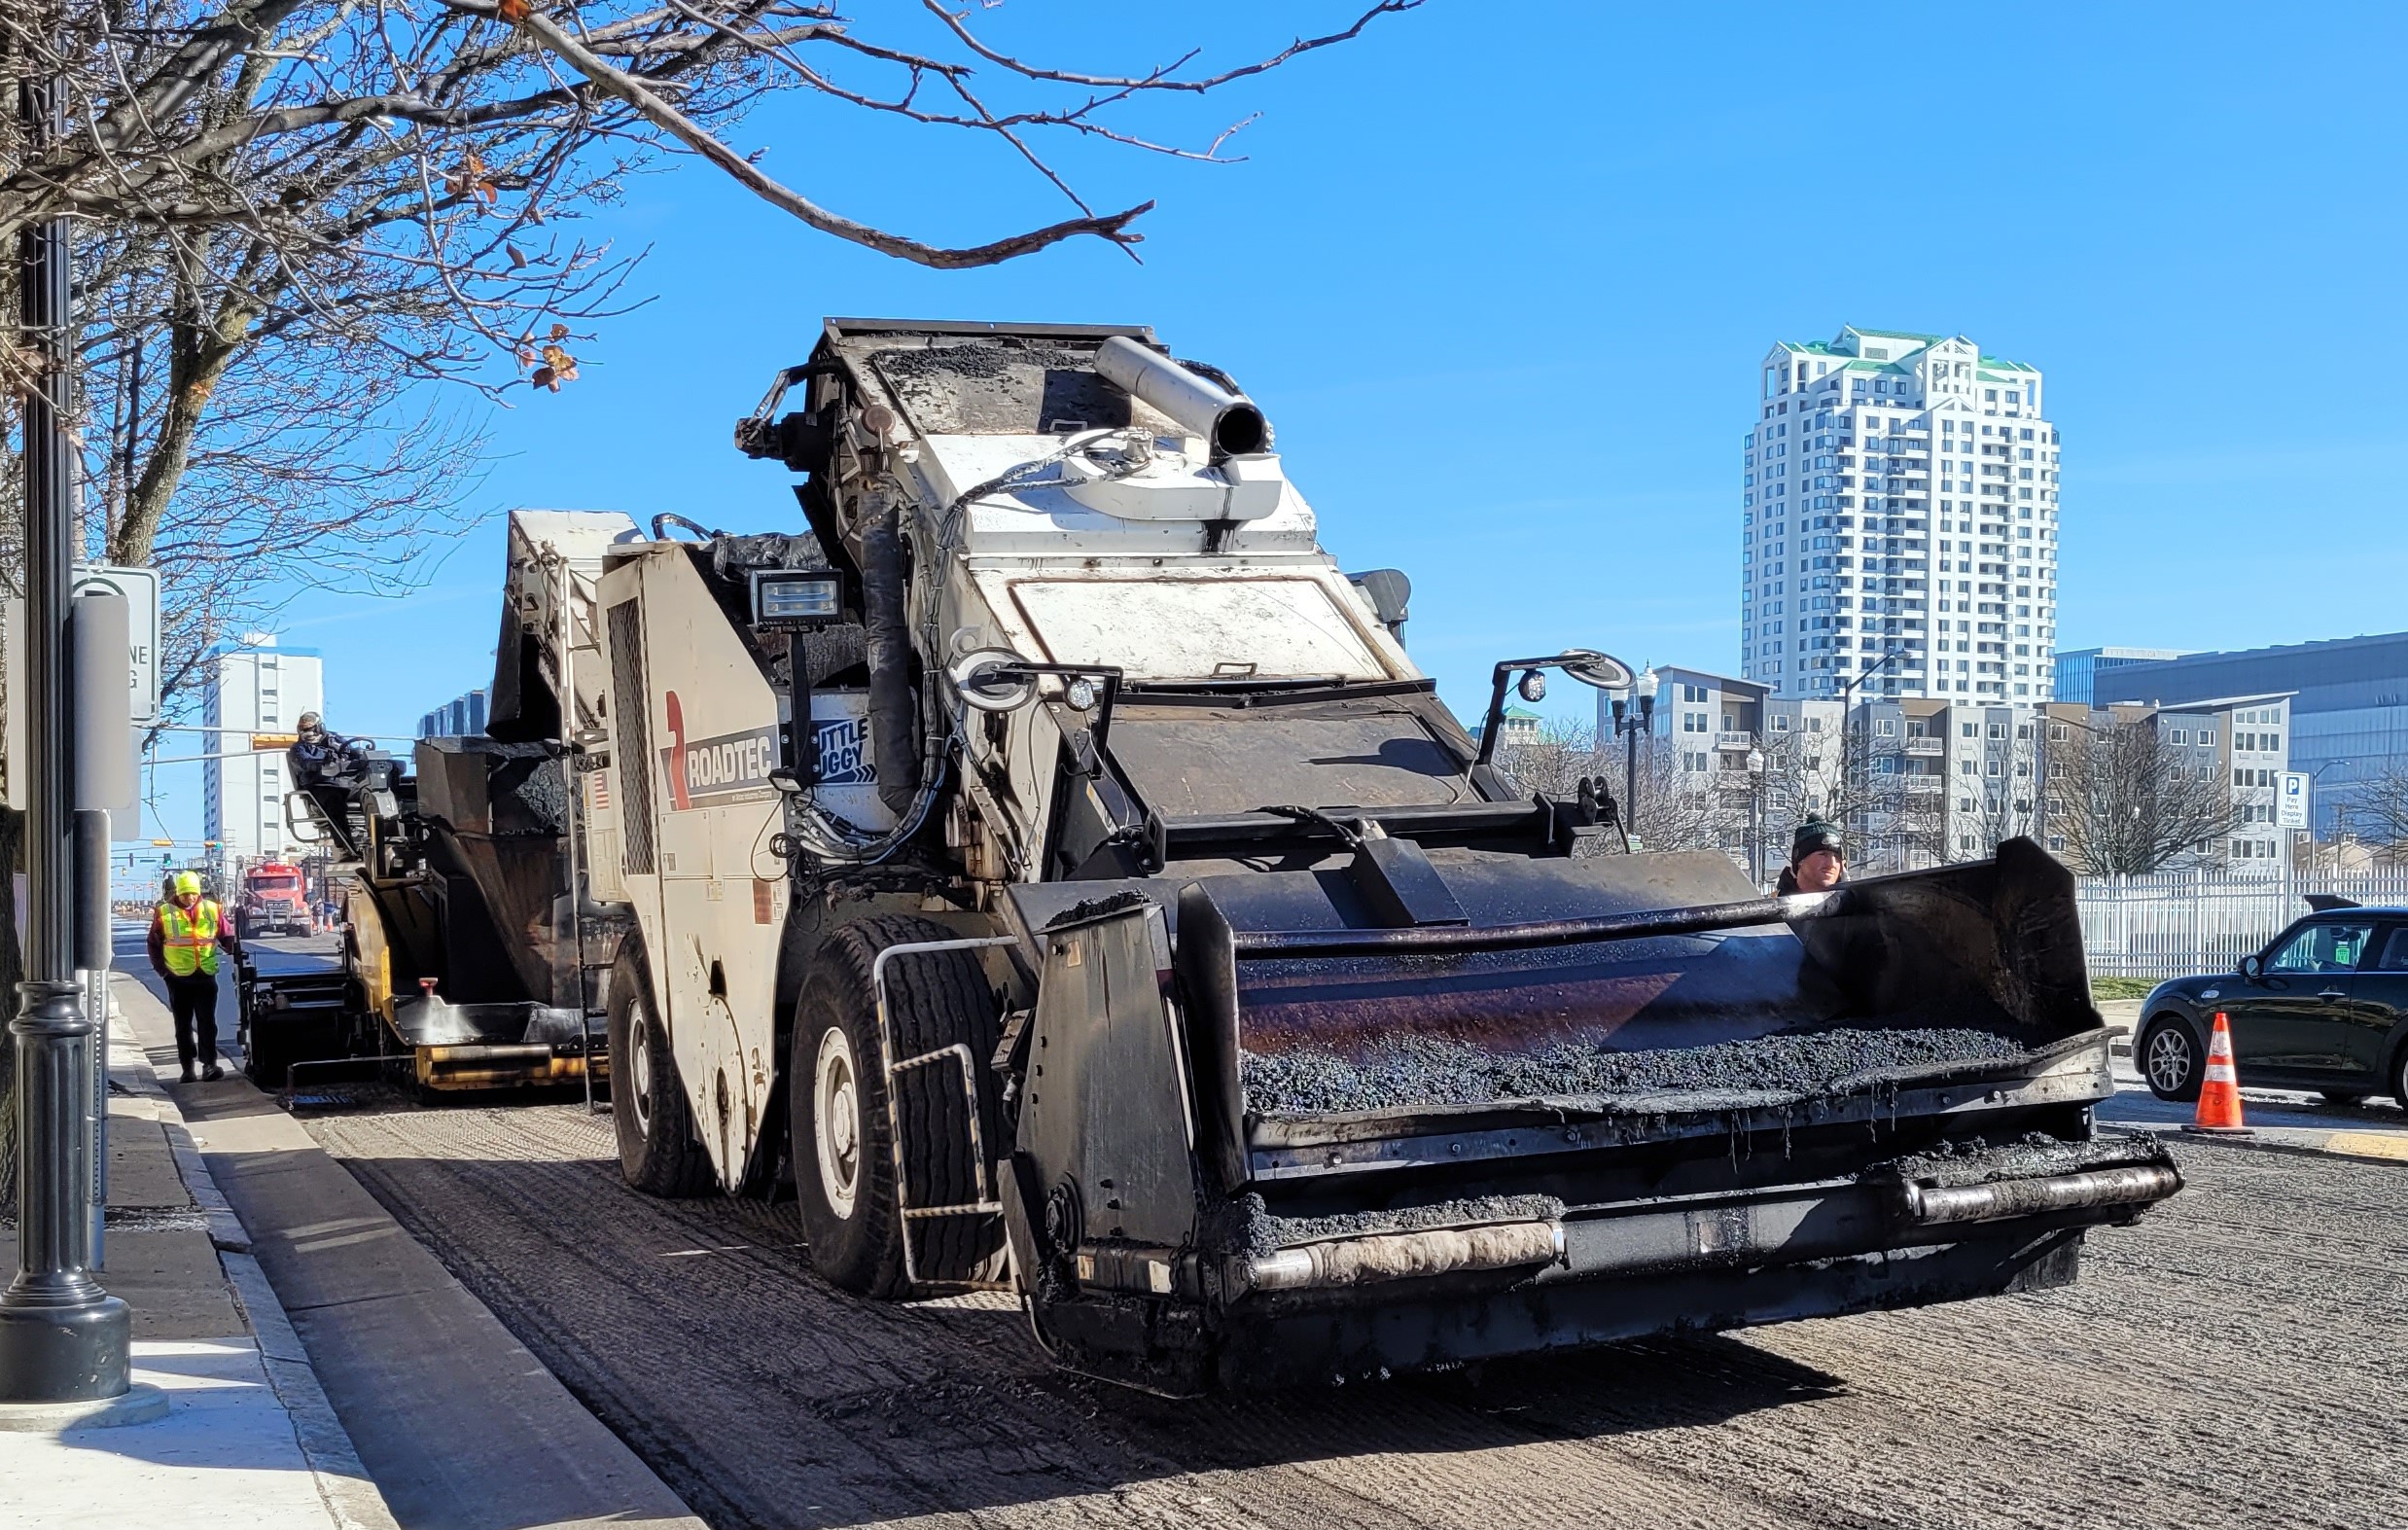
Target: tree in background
296,212
2126,802
2375,808
1678,808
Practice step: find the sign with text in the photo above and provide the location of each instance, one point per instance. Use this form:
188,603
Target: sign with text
140,587
2290,800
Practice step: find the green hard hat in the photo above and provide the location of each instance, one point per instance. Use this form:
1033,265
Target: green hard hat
184,882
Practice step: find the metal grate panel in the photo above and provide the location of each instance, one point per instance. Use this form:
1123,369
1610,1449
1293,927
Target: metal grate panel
630,701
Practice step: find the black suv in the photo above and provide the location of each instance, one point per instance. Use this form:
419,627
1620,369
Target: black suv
2323,1007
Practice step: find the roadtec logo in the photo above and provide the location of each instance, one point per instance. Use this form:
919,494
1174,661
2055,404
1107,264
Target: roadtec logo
711,772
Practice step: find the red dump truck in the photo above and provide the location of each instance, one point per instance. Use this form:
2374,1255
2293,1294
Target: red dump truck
275,900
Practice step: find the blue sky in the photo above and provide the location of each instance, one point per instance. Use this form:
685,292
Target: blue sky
1501,276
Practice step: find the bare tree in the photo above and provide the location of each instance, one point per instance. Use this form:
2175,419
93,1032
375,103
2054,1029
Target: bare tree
2006,802
1678,808
179,107
2126,802
2375,808
306,207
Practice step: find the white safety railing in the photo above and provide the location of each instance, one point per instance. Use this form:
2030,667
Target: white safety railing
2174,923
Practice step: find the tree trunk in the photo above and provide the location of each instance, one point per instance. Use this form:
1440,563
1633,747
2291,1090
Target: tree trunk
203,348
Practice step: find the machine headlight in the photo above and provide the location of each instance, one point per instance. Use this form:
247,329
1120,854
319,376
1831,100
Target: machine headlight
796,597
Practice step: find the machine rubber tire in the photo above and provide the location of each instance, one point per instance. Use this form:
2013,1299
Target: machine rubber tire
657,1150
2343,1098
844,1179
2399,1077
2171,1060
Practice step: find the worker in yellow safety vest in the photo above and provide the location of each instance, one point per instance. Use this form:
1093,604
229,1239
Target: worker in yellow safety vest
186,934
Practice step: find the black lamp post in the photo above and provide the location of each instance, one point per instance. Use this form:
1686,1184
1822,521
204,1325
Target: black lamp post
1756,812
1849,754
1634,715
63,1340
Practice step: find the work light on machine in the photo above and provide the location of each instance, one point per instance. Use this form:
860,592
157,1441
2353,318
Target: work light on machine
787,598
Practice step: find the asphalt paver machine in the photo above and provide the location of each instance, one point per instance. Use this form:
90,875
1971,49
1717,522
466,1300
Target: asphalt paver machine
467,964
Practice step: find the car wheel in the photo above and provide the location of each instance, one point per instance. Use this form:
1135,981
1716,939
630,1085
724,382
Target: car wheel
2171,1060
2342,1097
2399,1077
657,1151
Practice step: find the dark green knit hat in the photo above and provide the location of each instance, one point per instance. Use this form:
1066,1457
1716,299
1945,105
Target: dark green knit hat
1815,834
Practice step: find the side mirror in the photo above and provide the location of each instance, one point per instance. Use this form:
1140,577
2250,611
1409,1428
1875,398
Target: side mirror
992,680
1592,668
2253,967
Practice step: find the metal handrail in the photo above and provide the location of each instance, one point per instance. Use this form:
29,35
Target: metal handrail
888,1067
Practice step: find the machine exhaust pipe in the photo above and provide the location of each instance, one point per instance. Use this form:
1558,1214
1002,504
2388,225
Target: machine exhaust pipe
1229,422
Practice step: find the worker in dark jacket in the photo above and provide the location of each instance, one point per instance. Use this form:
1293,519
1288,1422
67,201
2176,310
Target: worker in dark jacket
1816,864
320,756
186,934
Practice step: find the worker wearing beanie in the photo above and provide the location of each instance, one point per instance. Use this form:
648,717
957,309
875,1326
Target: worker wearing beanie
1817,863
186,934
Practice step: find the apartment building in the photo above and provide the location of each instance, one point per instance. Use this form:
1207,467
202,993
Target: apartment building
2241,743
2346,724
253,687
1899,522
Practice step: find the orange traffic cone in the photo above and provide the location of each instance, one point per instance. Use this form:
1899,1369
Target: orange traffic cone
2220,1092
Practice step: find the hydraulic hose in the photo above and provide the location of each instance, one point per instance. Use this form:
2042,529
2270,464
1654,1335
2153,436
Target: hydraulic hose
894,718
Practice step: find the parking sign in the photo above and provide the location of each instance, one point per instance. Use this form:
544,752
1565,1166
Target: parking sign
140,587
2291,801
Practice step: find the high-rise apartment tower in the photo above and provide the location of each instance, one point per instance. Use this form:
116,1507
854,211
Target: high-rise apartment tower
1899,522
253,687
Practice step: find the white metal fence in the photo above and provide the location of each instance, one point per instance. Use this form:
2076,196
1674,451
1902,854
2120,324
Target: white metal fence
2178,922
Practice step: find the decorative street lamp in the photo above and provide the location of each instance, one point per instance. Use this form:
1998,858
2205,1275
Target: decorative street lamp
1633,716
1756,812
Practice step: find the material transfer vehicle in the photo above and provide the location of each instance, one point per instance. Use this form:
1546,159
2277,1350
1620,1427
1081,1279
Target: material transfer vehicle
1043,862
1040,859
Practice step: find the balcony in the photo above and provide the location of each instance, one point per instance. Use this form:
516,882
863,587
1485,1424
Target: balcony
1927,746
1734,740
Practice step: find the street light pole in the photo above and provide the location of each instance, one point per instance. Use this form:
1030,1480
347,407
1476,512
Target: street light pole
1632,718
63,1338
1847,740
1756,812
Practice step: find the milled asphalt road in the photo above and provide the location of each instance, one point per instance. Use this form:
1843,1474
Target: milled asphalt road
2236,1360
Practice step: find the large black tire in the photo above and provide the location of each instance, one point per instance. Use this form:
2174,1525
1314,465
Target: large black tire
843,1130
2170,1058
657,1150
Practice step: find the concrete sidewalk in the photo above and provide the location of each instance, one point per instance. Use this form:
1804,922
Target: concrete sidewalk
249,1438
457,1423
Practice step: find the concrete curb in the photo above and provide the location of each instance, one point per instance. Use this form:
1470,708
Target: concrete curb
343,1485
2362,1146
